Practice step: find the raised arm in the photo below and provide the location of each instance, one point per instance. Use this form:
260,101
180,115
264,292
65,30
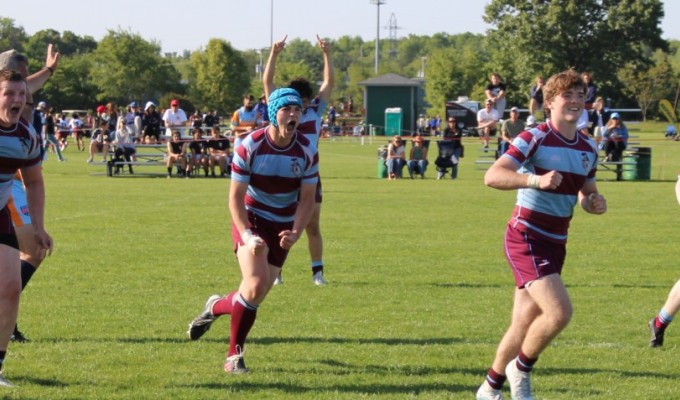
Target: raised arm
328,71
37,80
270,68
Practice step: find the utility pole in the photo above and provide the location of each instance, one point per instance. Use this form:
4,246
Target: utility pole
378,3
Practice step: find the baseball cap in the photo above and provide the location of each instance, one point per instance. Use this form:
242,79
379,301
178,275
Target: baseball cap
101,109
134,104
615,116
41,105
149,104
514,109
531,121
174,102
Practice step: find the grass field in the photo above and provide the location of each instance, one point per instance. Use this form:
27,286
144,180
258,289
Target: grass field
419,291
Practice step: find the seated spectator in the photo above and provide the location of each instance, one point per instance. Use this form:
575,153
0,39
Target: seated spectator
100,141
509,130
487,118
151,124
396,158
450,150
671,132
125,145
531,122
218,151
417,162
598,120
616,136
176,154
197,152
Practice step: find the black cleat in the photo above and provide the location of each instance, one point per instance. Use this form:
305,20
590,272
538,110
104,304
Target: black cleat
657,334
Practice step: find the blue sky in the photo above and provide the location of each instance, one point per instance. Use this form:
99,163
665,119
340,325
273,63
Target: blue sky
180,25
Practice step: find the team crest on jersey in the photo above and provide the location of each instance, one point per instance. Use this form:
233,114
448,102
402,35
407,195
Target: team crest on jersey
24,210
586,161
295,167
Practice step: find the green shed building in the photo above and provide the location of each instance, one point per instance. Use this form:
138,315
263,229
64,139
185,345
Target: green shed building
392,91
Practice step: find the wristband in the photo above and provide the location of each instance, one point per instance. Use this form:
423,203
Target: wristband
50,69
533,181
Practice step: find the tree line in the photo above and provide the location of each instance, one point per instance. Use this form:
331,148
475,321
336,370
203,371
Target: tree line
618,41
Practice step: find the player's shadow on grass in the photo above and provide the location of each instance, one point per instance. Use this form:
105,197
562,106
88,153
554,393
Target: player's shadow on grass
234,386
271,340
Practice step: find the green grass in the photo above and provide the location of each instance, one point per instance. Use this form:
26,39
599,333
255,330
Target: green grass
419,290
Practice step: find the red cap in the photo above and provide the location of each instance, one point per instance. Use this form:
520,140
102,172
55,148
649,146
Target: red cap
174,102
101,109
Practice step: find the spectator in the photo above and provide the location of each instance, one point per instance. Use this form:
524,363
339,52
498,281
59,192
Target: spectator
261,108
100,116
531,122
599,118
487,118
245,119
331,116
616,136
350,106
112,112
218,151
125,145
417,162
211,119
76,126
133,120
151,124
495,91
591,90
396,158
536,96
176,154
450,149
100,141
196,119
197,149
50,129
175,118
510,129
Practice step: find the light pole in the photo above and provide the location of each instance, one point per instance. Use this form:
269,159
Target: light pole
271,24
422,67
377,34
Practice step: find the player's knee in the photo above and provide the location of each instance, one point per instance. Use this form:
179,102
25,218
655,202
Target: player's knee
561,317
10,289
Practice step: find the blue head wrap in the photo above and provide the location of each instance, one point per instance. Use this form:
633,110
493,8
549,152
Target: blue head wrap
280,98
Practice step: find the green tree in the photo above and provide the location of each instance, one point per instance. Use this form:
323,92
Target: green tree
221,76
11,36
648,85
127,67
599,36
70,87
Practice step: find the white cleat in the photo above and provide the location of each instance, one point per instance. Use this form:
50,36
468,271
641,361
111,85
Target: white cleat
486,392
318,279
520,382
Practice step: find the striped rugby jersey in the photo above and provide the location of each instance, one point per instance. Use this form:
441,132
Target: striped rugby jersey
19,147
539,151
274,175
310,121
